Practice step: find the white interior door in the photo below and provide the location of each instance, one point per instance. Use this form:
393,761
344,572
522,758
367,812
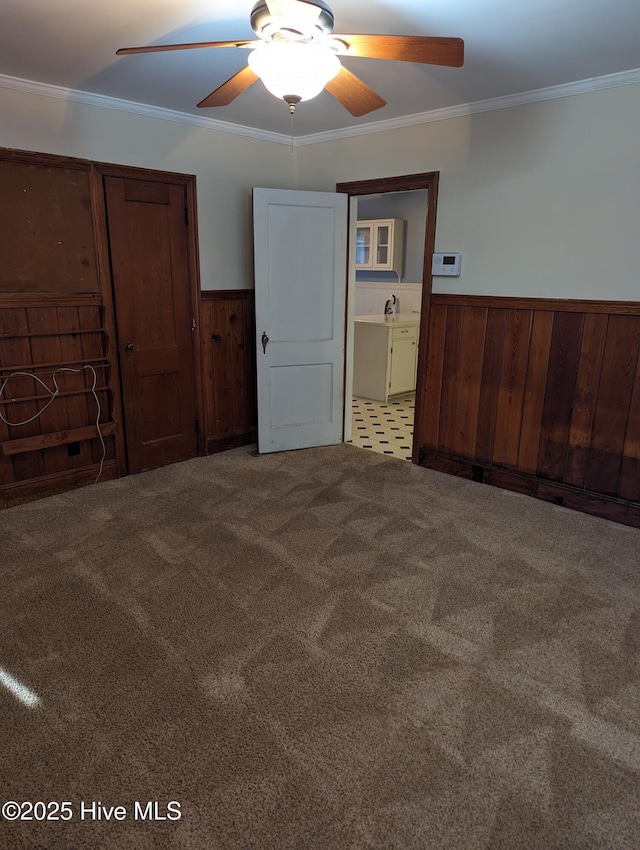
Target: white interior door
351,312
300,250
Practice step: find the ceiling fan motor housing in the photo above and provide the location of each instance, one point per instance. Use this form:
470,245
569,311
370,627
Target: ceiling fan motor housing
263,25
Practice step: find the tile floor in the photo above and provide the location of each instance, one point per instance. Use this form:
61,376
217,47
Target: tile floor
384,428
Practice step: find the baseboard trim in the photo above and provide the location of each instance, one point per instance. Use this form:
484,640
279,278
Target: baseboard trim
605,507
230,441
20,492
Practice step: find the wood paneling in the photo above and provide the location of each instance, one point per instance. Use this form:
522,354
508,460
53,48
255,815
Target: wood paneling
542,397
533,401
47,228
45,350
630,469
228,354
515,351
450,374
585,396
491,358
613,404
474,323
57,312
22,391
558,398
433,377
42,334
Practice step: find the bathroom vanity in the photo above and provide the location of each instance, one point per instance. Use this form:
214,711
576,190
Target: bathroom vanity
385,355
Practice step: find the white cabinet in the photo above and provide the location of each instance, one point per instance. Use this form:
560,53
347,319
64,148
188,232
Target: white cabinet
380,245
385,356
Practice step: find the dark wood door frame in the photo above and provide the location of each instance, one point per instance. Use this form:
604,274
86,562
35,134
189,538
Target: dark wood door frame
407,183
188,181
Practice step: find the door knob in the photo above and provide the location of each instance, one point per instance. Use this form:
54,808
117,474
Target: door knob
265,340
128,349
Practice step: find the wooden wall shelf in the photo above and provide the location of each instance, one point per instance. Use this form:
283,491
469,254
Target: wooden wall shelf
59,438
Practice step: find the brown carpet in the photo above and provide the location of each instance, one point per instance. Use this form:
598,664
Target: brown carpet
318,649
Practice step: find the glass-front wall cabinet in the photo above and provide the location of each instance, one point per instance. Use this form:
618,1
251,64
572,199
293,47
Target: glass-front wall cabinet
382,232
379,245
363,246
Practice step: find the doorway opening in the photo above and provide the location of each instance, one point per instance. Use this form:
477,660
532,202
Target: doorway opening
391,246
389,260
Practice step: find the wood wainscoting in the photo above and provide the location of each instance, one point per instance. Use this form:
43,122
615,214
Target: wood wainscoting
48,341
538,396
61,449
228,357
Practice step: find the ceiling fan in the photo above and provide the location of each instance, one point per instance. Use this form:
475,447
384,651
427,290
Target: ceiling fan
296,55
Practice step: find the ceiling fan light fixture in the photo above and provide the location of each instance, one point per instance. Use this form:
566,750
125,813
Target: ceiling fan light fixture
296,56
293,69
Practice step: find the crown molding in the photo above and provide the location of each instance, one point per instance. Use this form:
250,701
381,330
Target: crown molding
623,78
46,90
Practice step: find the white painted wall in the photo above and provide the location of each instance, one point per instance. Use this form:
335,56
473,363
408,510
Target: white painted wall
227,166
542,199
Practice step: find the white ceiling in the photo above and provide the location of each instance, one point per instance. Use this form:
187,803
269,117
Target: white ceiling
511,46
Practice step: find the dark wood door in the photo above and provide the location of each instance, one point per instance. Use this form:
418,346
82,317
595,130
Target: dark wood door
149,260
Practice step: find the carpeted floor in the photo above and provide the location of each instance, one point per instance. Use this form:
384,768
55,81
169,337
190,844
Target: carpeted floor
327,649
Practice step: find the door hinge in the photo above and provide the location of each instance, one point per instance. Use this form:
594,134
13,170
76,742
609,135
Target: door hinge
422,454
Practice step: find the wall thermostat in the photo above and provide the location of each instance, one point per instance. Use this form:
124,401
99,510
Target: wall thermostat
447,265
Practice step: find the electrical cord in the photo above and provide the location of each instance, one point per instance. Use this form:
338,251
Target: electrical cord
54,393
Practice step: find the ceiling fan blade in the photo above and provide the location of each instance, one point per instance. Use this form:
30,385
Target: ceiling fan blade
406,48
230,90
162,48
356,97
